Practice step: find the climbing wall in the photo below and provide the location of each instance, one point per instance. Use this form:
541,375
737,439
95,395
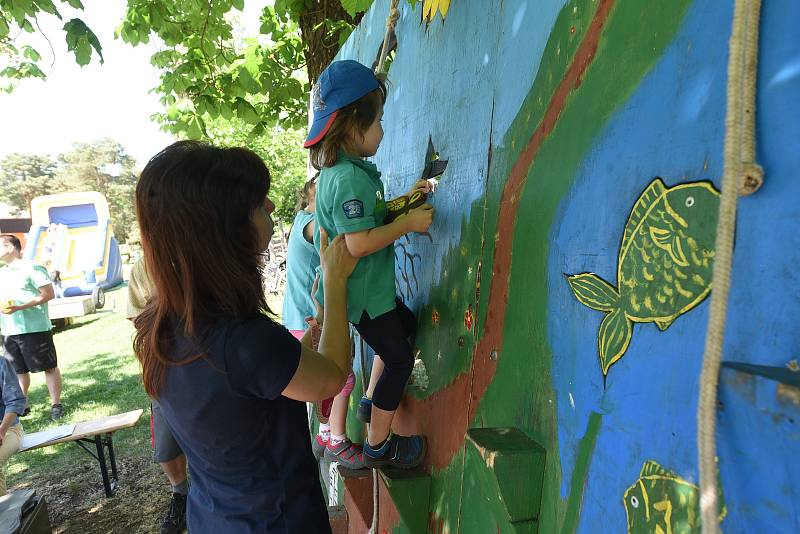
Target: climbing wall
562,291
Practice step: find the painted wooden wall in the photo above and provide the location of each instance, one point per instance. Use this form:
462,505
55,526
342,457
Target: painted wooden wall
555,118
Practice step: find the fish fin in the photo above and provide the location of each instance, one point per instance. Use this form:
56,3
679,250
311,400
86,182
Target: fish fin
670,242
613,339
663,325
651,467
648,197
593,291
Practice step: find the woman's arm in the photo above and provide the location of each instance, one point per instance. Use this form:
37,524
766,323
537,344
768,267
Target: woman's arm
321,375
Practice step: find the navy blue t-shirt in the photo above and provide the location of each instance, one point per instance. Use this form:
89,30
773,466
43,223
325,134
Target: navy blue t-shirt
248,448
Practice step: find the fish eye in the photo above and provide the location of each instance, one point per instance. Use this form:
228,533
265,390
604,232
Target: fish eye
689,202
634,502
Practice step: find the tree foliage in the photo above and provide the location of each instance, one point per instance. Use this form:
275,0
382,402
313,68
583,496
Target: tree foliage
24,177
281,149
100,166
207,70
103,166
17,16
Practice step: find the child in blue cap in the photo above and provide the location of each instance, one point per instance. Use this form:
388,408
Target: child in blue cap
348,101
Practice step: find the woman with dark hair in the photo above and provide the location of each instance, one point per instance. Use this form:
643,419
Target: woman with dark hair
229,380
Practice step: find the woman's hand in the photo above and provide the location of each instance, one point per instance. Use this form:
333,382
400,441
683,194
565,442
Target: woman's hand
336,260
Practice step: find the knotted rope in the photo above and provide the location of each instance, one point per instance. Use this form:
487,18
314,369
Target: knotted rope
391,22
740,170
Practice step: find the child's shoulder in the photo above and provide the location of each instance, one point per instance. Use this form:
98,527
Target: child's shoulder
344,169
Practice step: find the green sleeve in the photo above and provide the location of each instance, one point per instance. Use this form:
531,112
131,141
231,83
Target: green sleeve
40,277
354,202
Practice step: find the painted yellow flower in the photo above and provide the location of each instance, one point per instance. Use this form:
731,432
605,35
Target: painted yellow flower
430,7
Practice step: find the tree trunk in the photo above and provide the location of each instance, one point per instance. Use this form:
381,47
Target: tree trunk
321,44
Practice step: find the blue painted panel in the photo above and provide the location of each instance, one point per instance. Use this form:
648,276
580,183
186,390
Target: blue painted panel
673,127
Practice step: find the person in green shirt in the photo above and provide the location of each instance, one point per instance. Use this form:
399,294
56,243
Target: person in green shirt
25,290
348,104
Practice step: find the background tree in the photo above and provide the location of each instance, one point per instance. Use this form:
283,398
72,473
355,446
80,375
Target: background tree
25,176
281,149
103,166
206,71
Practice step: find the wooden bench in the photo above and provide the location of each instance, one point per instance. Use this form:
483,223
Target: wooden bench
98,432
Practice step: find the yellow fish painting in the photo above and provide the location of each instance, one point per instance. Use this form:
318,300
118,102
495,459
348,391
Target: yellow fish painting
661,502
664,266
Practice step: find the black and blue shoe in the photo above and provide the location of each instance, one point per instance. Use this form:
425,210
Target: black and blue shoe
364,412
403,452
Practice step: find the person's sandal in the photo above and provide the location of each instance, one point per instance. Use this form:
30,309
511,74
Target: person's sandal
346,454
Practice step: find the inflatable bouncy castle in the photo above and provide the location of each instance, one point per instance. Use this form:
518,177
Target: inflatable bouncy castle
71,234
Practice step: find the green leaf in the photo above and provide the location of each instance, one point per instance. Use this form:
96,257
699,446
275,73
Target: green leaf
195,128
246,111
238,4
3,28
353,7
31,53
75,3
27,26
81,40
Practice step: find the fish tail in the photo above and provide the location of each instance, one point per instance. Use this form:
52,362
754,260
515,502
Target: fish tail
594,292
613,339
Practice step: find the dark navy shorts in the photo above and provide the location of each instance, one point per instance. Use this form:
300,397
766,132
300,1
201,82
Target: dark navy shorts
165,448
30,353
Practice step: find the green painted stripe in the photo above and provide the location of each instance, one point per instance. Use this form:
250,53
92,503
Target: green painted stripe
581,473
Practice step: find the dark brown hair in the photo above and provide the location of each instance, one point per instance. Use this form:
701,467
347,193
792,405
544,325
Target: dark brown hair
355,118
304,195
194,204
14,240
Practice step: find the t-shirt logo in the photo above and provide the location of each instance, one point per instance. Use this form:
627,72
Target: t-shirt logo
353,209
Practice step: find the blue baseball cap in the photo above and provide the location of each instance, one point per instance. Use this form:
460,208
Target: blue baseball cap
342,83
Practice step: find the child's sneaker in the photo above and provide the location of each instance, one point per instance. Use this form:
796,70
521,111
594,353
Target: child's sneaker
346,453
364,412
403,452
318,445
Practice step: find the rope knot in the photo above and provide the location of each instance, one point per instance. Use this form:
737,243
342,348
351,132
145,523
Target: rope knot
752,178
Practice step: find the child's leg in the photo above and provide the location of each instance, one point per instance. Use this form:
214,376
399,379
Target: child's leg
339,448
388,334
338,418
374,376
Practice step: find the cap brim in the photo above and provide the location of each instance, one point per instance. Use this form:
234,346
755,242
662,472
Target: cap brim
318,129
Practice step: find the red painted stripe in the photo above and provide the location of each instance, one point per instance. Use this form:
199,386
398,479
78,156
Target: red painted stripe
425,416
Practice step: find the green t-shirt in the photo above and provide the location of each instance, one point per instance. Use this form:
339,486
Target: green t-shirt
20,281
350,199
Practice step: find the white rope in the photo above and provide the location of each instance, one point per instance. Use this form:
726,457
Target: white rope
739,154
391,22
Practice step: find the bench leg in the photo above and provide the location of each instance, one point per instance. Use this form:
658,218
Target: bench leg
112,458
109,484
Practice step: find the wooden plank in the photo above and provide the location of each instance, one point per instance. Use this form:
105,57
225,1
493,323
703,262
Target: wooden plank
103,425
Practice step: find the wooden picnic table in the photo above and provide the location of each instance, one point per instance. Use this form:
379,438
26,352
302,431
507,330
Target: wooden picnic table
98,432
